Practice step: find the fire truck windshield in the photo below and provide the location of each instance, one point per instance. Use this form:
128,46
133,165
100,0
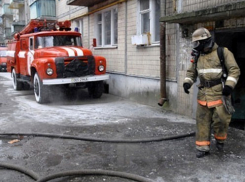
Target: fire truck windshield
57,40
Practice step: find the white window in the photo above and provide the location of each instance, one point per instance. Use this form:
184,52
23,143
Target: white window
79,25
106,27
148,19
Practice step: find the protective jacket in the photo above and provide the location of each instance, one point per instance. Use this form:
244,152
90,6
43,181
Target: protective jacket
208,68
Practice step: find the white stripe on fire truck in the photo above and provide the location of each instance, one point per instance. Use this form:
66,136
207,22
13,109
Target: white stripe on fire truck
79,51
69,50
10,53
21,54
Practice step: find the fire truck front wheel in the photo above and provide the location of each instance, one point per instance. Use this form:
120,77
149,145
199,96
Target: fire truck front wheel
41,91
96,89
16,84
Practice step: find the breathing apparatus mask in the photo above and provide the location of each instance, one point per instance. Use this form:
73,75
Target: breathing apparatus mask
203,46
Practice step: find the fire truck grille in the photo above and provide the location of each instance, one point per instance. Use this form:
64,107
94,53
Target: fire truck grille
76,67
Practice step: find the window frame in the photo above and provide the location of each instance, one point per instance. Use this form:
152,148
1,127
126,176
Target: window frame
113,32
79,25
152,17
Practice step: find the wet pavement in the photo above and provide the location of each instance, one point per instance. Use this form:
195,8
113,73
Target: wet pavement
109,117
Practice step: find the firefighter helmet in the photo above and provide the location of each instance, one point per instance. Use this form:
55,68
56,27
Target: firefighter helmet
200,34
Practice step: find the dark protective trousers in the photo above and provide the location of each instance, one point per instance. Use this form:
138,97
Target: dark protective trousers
207,119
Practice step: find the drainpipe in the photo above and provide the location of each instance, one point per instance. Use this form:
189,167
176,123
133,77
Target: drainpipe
126,39
163,94
163,98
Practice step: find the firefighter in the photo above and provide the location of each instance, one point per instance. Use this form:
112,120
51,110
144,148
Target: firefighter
211,113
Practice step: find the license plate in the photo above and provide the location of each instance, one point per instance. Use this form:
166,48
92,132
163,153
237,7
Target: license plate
74,80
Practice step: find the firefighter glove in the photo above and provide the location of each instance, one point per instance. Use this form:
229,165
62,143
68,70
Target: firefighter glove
227,90
187,86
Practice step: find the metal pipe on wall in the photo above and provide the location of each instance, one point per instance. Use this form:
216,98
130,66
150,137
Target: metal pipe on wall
163,98
126,38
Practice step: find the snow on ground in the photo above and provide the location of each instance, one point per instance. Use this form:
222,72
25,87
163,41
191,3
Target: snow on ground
107,109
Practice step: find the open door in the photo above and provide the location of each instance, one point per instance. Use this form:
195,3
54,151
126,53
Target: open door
234,40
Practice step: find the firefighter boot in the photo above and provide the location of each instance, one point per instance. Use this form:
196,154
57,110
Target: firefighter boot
220,146
201,154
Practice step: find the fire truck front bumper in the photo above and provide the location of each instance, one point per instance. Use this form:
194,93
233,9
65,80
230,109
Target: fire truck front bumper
89,78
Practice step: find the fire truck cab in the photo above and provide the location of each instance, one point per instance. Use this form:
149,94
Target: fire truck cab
47,53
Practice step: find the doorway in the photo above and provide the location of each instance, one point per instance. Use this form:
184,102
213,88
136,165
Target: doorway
234,40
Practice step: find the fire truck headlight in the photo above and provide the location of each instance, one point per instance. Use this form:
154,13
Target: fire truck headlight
49,71
101,68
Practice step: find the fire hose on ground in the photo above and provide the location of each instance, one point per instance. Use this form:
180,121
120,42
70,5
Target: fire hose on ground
84,172
91,139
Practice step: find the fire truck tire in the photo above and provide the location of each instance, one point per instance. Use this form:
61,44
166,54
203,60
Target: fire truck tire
96,89
16,84
41,91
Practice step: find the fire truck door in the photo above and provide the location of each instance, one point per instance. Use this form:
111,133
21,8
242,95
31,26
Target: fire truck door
30,54
23,56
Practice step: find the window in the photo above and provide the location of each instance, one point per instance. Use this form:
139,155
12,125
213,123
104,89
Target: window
148,19
106,28
79,25
57,40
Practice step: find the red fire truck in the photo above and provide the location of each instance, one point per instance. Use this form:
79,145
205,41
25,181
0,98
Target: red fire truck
47,54
3,58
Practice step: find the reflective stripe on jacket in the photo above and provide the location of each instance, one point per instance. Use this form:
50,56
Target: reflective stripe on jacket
209,68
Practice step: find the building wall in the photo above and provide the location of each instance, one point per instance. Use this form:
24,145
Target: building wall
7,17
141,61
134,70
191,5
65,12
73,13
22,13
